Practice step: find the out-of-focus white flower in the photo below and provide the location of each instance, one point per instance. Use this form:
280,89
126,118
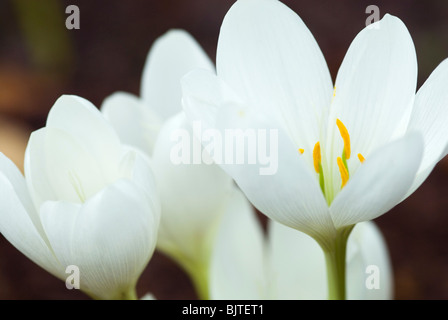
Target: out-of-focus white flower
193,196
86,201
285,264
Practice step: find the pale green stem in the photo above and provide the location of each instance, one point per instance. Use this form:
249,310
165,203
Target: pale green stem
199,277
335,257
130,295
196,269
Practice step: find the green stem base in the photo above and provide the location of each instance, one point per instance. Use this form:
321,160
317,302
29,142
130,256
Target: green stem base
335,258
196,269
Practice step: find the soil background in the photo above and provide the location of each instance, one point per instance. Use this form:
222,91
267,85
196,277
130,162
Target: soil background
40,60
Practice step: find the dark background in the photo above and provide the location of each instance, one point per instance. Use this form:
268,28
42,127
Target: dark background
40,60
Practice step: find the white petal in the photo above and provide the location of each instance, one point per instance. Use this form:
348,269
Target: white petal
59,168
39,185
85,123
135,123
430,116
12,174
203,95
16,219
144,177
297,264
59,221
380,183
280,184
112,238
171,56
270,58
193,195
367,253
375,89
238,263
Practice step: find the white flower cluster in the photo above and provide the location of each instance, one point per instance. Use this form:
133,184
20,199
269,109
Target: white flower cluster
101,190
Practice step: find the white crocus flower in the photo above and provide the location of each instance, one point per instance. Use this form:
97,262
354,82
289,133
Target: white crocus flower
193,196
285,264
87,202
346,153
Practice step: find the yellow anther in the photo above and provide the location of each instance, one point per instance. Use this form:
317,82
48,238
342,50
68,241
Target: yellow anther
343,171
361,158
316,156
301,151
334,91
345,136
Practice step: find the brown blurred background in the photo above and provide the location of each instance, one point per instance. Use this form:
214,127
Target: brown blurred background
40,60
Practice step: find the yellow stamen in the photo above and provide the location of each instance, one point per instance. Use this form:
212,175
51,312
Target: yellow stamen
334,91
361,158
343,171
345,136
316,156
301,151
